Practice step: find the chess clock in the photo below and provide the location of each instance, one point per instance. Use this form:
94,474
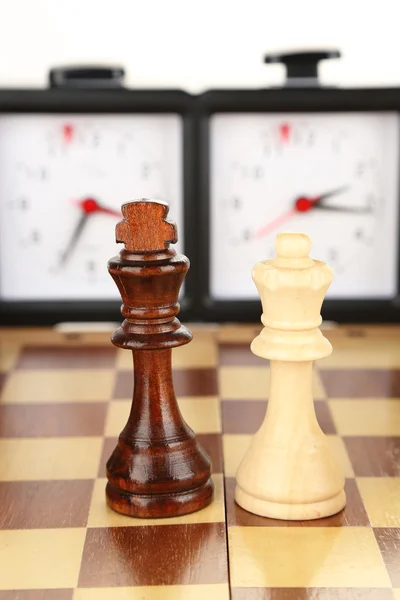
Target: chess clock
320,160
70,156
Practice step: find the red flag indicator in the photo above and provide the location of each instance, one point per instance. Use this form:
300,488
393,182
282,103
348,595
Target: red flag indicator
68,133
284,132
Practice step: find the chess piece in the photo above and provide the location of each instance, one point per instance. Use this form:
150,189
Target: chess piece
158,469
289,471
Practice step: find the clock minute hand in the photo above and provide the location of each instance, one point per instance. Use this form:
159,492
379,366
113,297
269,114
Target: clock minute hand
74,239
318,202
346,209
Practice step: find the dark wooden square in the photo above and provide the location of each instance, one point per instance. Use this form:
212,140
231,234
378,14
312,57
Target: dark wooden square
67,357
361,383
36,594
374,456
154,555
44,504
239,354
388,539
52,420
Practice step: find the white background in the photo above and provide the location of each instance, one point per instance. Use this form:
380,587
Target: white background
198,45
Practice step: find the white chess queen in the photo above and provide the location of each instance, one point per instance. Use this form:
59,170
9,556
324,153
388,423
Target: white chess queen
289,471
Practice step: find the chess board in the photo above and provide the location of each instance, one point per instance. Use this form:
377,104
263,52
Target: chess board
64,399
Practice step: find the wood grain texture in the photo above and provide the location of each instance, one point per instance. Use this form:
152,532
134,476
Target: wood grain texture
187,382
36,594
289,471
353,516
158,469
374,456
74,357
162,555
388,539
361,383
52,420
45,504
48,510
311,594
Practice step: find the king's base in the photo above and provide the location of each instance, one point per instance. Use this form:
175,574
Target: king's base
159,505
290,512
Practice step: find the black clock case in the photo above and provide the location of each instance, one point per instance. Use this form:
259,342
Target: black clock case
106,101
197,304
290,99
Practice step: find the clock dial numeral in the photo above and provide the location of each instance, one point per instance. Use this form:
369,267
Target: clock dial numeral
32,239
332,254
237,203
23,204
361,169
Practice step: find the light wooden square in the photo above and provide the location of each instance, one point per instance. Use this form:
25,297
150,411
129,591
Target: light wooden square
235,447
202,414
100,515
306,557
238,333
368,353
381,497
63,385
244,383
372,416
40,558
25,459
8,355
252,383
216,591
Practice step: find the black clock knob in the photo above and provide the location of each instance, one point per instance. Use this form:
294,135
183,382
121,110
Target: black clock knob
301,66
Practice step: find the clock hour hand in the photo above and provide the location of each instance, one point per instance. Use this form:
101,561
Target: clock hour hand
304,204
74,239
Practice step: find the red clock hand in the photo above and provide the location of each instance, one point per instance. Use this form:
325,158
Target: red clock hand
275,223
301,204
90,206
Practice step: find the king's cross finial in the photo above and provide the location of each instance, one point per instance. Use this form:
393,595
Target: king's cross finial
145,227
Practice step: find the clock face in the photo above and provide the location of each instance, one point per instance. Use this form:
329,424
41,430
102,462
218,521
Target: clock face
333,176
63,181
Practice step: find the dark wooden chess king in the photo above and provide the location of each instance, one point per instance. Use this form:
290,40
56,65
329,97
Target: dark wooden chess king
158,469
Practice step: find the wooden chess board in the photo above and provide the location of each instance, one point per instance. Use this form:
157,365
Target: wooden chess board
64,399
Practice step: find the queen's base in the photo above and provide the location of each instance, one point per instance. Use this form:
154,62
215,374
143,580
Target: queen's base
290,512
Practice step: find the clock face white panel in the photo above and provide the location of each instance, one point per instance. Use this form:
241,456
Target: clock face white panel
51,167
333,176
